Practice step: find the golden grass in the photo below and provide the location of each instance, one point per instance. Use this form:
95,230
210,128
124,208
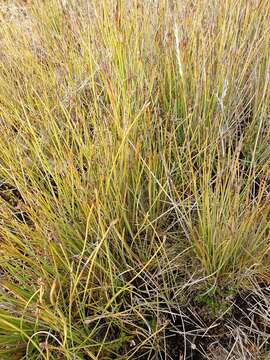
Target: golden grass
134,161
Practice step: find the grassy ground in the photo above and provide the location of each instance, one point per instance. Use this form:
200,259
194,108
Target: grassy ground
134,179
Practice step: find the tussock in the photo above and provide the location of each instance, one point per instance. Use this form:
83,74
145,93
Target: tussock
134,179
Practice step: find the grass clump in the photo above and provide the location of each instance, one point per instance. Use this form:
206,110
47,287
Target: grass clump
134,166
